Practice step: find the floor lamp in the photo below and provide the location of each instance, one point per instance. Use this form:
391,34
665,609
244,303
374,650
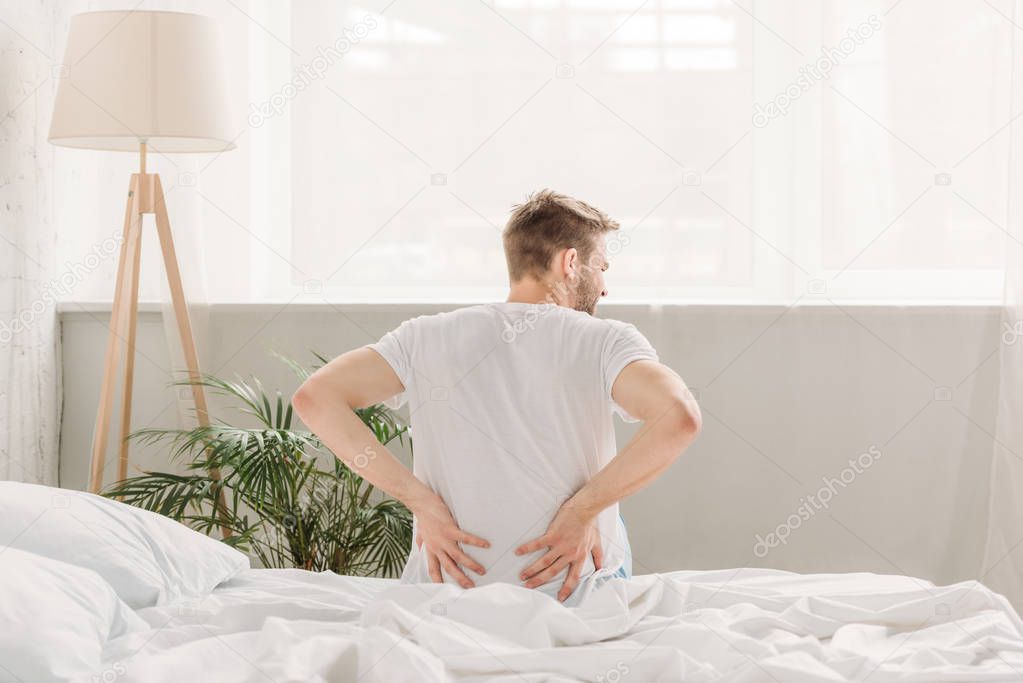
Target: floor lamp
142,81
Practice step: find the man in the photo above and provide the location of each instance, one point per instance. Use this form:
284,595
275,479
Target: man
515,473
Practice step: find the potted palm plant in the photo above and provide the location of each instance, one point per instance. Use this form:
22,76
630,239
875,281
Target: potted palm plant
288,501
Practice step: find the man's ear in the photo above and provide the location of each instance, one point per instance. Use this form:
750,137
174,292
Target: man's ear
570,263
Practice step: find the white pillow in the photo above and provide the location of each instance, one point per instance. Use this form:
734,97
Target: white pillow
56,618
147,558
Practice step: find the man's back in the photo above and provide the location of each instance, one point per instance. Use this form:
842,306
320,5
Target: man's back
511,410
511,413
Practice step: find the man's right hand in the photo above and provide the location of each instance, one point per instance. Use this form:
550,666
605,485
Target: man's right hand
438,529
571,538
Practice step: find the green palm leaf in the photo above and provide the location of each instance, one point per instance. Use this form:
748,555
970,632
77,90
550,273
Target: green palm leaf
283,507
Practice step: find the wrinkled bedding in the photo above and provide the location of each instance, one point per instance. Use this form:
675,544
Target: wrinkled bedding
737,625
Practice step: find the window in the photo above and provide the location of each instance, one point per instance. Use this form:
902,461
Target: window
751,151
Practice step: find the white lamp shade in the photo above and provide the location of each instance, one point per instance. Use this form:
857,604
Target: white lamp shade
143,76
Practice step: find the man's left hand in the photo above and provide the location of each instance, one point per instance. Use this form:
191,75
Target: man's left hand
571,537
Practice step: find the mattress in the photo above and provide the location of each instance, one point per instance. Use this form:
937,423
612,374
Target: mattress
735,625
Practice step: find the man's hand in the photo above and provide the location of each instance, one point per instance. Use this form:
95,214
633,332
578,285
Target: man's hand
438,529
571,537
327,401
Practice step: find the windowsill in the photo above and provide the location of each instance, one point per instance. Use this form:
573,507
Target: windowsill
313,306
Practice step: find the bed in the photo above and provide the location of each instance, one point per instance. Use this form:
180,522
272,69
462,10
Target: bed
192,612
729,625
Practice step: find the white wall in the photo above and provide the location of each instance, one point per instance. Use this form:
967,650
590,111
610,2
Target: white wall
789,396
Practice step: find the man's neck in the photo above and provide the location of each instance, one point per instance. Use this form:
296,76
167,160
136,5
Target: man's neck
533,292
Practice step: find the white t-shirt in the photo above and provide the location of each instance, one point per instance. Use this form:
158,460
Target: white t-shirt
510,412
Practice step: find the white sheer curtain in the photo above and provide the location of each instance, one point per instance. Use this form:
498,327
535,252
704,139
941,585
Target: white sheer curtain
207,195
1002,568
753,151
30,405
184,206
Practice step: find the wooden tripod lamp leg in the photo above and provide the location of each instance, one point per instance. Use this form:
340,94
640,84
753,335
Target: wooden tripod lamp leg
110,360
184,325
131,322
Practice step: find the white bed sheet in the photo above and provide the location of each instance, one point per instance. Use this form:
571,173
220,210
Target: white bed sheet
738,625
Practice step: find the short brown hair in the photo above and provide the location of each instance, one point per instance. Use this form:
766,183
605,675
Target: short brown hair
546,223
